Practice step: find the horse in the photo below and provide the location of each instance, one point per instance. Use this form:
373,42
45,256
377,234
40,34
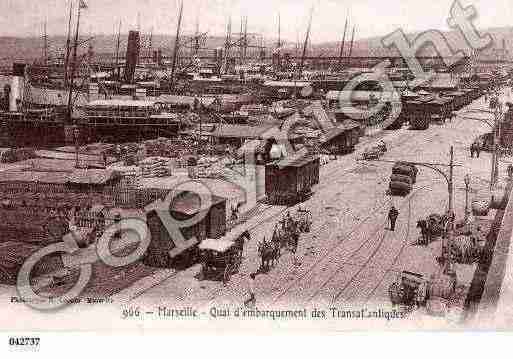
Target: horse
433,226
425,231
269,252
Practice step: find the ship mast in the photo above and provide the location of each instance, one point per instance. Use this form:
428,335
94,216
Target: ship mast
351,47
177,39
305,45
342,45
197,37
45,45
117,50
68,45
81,5
150,44
227,46
245,38
279,31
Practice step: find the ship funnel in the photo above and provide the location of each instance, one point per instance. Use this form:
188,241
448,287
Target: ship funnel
17,87
132,55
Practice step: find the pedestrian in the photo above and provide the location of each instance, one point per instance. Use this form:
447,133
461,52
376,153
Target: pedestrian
510,171
472,151
477,149
392,217
251,301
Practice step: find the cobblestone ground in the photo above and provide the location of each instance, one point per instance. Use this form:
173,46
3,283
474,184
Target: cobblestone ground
350,257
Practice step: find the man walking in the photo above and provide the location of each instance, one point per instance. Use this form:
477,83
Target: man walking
477,149
392,217
251,301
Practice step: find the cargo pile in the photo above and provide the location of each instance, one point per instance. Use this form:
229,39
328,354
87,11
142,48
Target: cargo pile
156,167
12,155
404,176
21,235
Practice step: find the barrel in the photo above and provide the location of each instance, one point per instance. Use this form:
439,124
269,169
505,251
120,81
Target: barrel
407,164
400,187
441,287
401,178
403,170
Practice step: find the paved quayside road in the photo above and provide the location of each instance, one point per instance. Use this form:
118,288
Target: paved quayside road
349,256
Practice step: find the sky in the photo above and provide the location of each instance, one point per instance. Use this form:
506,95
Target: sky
372,17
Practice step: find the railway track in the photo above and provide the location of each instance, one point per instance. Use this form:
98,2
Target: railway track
335,175
330,259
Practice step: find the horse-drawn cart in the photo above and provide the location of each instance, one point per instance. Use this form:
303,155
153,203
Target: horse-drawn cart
221,258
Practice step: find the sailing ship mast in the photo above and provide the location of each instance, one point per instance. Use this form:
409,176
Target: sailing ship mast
45,45
305,45
227,46
245,43
177,39
279,30
81,5
150,44
117,49
68,45
342,45
351,47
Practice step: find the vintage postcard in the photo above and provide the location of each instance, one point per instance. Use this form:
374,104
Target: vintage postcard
272,165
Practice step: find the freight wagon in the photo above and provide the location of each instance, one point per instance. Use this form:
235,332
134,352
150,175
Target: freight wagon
290,180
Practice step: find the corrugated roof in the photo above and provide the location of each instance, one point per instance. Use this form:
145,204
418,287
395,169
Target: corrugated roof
362,95
189,203
184,100
92,176
34,176
298,159
240,131
121,103
287,84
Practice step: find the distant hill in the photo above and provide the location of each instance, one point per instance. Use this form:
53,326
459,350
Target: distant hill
374,47
30,49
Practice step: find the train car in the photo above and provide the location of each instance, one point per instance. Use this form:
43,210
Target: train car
165,250
290,180
417,115
438,109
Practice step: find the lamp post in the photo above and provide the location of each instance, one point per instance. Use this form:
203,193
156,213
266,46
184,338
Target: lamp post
497,112
467,180
446,253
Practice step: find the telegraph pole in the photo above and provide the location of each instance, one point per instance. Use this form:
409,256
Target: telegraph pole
450,224
495,156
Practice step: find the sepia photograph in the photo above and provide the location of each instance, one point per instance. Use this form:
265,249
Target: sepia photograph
275,166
